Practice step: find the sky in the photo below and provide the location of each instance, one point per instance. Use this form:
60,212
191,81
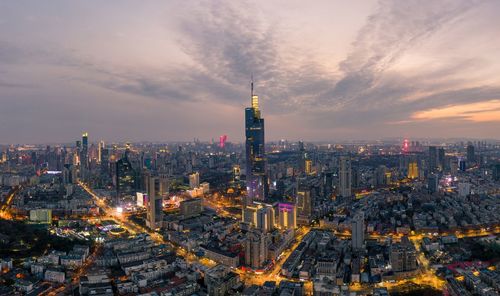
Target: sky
177,70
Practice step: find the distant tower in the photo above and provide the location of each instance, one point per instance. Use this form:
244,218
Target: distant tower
257,186
222,141
345,176
358,232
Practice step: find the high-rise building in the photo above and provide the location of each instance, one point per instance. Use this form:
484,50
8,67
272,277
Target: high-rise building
287,214
471,155
260,216
100,148
433,183
413,170
345,177
255,249
358,232
304,204
194,180
308,169
302,158
496,172
433,156
441,159
256,175
155,203
125,176
403,256
463,189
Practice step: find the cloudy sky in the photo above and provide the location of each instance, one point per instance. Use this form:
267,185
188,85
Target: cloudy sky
175,70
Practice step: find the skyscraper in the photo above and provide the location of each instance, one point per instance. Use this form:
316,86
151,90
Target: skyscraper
412,170
345,177
433,157
155,206
255,249
125,176
358,232
257,186
471,155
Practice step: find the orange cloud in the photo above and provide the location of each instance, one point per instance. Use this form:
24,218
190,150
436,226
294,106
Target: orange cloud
477,112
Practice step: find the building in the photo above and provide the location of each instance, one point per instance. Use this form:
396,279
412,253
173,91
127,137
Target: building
194,180
433,183
358,232
125,176
464,189
403,256
256,249
41,216
304,204
220,280
441,159
471,155
256,175
155,202
308,169
413,170
345,176
287,214
433,157
260,216
191,207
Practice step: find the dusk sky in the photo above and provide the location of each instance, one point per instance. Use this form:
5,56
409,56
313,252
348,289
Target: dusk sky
176,70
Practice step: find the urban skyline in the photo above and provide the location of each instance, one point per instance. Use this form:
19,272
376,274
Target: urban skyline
346,74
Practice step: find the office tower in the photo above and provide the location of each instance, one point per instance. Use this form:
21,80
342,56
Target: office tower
403,256
413,170
432,183
194,180
462,165
100,148
302,158
265,218
358,232
125,176
256,177
191,207
85,150
164,185
441,159
304,204
471,156
287,214
496,172
327,183
345,177
308,169
155,203
453,166
255,249
432,158
105,161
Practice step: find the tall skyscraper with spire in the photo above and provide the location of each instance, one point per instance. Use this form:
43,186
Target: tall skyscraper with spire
257,187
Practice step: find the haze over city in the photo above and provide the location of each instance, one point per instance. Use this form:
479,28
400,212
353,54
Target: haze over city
178,70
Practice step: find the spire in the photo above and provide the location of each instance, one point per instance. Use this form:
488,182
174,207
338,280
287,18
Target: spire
251,86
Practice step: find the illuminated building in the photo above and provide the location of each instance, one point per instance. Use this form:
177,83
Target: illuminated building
260,216
125,176
308,169
236,173
406,146
345,176
101,147
413,170
302,158
304,204
84,156
194,180
358,232
222,141
256,177
155,203
287,214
